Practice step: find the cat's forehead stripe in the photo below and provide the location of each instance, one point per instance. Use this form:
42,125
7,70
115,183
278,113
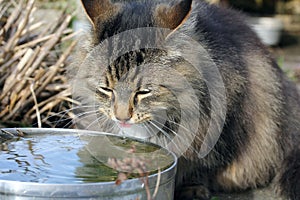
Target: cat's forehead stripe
136,72
139,82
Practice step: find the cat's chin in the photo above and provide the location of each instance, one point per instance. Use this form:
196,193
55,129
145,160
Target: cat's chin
136,131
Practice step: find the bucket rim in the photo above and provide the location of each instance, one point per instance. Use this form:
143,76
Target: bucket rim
11,187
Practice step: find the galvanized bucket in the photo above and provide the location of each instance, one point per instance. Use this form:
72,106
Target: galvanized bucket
161,183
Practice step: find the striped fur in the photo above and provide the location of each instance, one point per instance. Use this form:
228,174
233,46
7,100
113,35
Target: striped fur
259,143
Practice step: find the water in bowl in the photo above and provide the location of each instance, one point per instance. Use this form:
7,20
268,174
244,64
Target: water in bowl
68,158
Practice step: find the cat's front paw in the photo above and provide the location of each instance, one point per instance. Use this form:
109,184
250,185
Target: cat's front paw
197,192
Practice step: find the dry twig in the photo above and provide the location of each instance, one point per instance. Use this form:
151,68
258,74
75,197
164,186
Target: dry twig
134,165
30,53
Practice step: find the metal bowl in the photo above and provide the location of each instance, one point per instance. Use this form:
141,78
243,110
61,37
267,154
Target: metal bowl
133,189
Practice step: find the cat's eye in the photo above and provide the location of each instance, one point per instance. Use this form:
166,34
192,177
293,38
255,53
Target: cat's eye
140,94
105,90
143,92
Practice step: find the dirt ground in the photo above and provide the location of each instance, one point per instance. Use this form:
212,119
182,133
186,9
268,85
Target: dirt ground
259,194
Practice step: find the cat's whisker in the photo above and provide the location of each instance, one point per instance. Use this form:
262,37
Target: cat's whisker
151,131
111,123
69,110
82,114
92,123
178,124
165,133
78,116
63,116
114,127
101,119
85,115
173,122
175,133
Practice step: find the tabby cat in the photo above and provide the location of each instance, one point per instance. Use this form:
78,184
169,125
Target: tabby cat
141,74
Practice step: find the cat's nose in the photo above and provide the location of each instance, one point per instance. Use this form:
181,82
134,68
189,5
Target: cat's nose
123,112
123,116
123,120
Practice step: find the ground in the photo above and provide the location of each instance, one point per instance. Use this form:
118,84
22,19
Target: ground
260,194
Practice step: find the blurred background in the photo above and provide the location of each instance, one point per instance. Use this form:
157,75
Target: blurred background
277,23
37,39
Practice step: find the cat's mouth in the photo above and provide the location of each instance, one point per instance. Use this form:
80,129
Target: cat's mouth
144,130
125,125
134,130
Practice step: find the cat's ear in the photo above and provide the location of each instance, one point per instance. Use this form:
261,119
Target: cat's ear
173,16
100,10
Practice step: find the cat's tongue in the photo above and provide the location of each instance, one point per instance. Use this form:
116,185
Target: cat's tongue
125,125
134,130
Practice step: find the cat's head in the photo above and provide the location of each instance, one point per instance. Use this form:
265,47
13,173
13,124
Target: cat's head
136,83
143,100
